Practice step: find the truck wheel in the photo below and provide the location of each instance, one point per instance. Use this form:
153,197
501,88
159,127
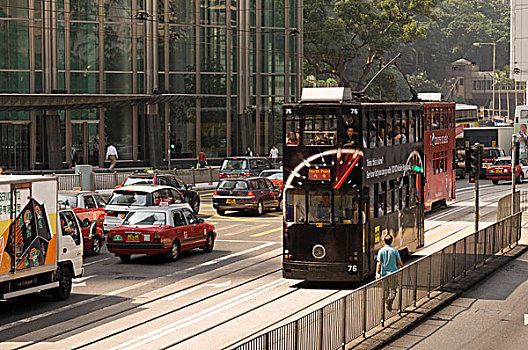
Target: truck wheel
495,182
125,257
209,243
96,246
174,252
220,212
64,277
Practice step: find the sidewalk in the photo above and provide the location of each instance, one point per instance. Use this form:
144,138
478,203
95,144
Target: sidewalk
399,325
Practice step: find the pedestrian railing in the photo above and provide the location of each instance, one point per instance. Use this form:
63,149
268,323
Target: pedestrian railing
524,201
108,181
352,316
102,181
68,181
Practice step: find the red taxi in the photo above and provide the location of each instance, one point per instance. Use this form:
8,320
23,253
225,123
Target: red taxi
93,237
89,206
167,230
501,170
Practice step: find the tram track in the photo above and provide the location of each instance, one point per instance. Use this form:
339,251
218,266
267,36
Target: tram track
140,305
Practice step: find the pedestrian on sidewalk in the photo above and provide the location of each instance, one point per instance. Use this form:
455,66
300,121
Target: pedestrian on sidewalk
388,261
202,159
111,155
249,152
274,154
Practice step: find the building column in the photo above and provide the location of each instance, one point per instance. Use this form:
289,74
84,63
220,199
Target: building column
259,148
52,126
198,59
229,151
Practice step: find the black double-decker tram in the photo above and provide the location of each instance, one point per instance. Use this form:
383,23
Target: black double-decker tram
353,172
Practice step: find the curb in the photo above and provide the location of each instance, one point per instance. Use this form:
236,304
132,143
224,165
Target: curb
397,326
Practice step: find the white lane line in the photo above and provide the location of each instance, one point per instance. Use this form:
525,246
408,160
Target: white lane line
471,188
197,317
526,319
243,241
114,292
234,255
95,262
194,289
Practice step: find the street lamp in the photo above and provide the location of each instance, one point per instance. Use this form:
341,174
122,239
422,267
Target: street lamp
494,44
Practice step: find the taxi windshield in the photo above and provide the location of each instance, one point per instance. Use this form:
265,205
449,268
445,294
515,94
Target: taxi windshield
70,200
502,162
128,198
277,176
145,218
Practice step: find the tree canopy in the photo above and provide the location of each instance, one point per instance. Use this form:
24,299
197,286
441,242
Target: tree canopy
344,38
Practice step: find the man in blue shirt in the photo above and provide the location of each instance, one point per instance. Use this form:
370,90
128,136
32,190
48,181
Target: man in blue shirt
388,261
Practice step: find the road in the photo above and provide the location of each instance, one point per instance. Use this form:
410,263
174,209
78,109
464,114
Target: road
492,315
204,300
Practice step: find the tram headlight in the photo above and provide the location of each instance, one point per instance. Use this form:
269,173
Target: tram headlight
318,251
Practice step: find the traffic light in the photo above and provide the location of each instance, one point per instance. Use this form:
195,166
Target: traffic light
474,161
417,169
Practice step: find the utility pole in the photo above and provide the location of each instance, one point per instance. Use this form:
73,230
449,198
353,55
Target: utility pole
475,165
169,155
513,165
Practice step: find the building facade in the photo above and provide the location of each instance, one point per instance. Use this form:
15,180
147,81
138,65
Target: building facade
145,75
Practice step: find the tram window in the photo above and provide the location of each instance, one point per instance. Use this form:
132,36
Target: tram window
373,135
293,123
390,129
295,206
319,207
382,200
320,130
382,131
350,136
346,207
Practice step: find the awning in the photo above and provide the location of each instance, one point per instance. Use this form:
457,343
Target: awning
31,102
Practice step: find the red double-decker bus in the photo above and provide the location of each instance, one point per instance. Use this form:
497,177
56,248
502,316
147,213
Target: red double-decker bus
439,149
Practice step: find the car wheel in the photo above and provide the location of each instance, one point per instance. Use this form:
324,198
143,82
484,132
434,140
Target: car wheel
174,252
96,246
520,179
196,206
220,212
209,243
260,208
64,277
495,182
125,257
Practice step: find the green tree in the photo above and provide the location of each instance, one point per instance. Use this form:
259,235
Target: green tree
345,38
451,31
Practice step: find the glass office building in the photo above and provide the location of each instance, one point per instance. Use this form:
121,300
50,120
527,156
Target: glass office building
76,75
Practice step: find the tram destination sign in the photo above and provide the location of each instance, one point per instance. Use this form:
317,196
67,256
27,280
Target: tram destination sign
319,174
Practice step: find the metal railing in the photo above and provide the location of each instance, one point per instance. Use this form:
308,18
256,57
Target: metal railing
108,181
68,181
524,201
342,321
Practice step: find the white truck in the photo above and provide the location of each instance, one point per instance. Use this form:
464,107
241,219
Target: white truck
40,245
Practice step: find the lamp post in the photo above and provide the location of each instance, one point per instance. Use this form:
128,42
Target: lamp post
494,44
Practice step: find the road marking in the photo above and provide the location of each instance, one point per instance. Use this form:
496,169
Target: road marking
228,226
220,259
266,232
245,229
526,319
194,289
244,241
95,262
199,316
123,290
82,279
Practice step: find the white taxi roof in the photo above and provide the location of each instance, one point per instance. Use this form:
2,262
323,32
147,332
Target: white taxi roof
163,208
142,188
